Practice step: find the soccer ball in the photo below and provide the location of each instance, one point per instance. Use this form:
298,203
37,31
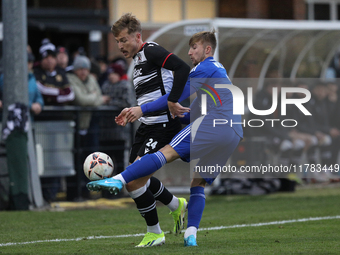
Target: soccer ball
97,166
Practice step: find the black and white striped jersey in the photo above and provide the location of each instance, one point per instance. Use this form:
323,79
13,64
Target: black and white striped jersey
151,80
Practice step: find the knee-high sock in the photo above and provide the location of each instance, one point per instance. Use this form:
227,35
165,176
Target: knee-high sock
162,194
145,166
146,205
196,206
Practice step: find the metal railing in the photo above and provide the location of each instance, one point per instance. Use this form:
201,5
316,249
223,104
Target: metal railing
57,132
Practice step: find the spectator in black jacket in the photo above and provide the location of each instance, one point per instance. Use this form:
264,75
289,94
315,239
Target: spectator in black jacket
52,81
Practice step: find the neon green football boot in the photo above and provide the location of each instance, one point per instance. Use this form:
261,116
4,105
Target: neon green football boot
179,215
152,239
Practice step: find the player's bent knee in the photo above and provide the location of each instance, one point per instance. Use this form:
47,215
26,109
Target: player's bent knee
136,184
195,182
169,153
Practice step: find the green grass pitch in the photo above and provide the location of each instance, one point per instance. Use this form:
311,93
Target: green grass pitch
72,231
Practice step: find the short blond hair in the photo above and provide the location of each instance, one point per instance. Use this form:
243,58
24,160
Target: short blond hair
128,21
205,37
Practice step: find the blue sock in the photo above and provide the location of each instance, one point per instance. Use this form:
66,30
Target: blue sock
196,206
145,166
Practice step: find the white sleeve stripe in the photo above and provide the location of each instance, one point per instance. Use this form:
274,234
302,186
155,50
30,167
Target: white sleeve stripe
47,90
180,137
65,98
174,144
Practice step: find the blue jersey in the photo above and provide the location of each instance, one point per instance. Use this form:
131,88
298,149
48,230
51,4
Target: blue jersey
212,145
219,101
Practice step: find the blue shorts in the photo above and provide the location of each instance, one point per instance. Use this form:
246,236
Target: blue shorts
211,145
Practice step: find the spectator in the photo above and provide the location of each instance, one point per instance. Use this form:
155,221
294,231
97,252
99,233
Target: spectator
86,88
63,58
95,70
333,71
123,64
35,100
120,91
103,64
87,93
52,81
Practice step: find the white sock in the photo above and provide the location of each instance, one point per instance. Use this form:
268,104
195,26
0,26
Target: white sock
138,192
154,229
190,231
119,177
173,205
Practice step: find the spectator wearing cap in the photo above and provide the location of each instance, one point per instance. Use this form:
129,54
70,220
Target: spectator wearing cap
35,99
86,88
119,90
121,61
62,58
52,81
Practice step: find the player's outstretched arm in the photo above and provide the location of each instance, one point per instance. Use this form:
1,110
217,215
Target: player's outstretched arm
170,61
162,103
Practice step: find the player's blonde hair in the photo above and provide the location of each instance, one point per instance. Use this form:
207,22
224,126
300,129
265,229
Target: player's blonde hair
205,37
126,21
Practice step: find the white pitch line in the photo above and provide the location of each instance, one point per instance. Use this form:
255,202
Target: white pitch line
201,229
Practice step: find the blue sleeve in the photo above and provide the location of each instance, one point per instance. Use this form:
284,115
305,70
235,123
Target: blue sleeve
34,94
162,102
1,82
39,98
186,118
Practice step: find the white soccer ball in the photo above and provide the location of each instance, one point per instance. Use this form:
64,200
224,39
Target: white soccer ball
97,166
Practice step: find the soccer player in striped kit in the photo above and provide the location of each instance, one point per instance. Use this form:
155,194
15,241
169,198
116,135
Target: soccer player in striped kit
155,72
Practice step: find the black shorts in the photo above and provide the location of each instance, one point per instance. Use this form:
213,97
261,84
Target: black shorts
151,138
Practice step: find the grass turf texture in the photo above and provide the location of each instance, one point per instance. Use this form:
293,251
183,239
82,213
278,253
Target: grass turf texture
311,237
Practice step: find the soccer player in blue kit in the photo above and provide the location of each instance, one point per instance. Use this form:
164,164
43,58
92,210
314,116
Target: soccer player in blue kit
201,139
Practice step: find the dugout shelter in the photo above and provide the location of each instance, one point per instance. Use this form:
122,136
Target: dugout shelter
259,49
